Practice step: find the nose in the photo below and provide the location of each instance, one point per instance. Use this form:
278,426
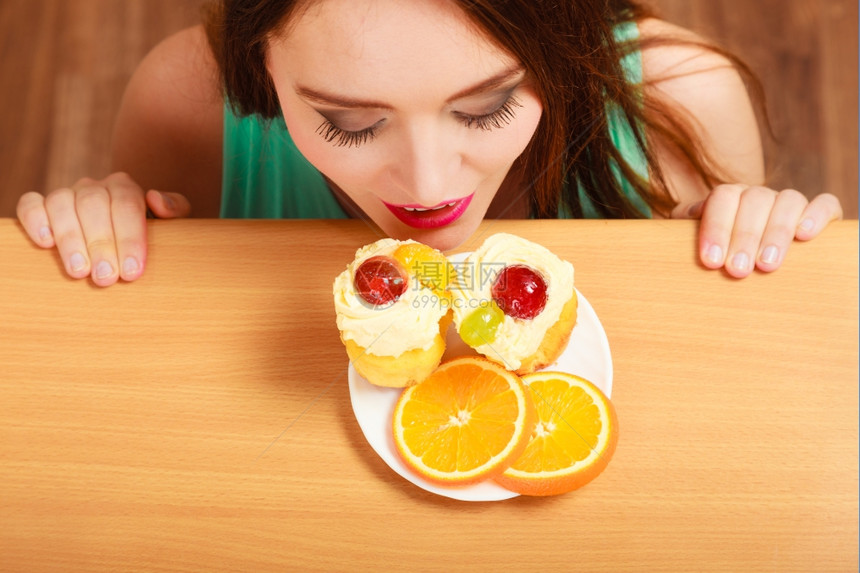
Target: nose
425,164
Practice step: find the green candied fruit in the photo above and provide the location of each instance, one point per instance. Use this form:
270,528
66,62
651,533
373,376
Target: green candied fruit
480,327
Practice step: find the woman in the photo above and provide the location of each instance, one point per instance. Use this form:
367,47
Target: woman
426,117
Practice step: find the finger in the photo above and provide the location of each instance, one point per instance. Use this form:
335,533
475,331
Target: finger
34,217
780,229
818,214
68,236
167,205
754,208
718,216
128,215
92,203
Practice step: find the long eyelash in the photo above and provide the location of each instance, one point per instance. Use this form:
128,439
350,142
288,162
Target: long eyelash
495,119
342,138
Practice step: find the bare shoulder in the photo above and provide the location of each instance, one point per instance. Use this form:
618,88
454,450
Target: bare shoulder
680,69
169,128
675,55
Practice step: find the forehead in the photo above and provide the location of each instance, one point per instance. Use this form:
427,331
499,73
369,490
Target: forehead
384,44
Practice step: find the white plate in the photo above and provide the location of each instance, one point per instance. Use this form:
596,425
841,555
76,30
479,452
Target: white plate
587,355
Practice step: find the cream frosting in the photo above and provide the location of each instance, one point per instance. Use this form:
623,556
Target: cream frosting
410,322
516,338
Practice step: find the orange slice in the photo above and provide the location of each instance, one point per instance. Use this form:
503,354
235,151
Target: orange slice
572,441
430,266
464,423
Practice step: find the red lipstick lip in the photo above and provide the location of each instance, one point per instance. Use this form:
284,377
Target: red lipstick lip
442,214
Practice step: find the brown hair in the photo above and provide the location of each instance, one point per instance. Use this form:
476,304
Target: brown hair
569,50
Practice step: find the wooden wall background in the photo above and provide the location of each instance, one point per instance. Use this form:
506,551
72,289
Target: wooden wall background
64,63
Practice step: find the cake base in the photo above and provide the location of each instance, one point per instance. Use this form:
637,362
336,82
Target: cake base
411,367
554,341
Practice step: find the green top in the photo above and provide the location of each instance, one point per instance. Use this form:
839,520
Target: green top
266,177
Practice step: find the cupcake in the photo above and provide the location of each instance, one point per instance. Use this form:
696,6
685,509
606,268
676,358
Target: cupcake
393,308
515,303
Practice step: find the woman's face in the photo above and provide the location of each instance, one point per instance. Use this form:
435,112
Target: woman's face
406,108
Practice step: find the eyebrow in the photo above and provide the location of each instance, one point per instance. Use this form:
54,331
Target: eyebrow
335,100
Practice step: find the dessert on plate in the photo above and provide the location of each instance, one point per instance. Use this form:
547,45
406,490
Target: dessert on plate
515,303
393,309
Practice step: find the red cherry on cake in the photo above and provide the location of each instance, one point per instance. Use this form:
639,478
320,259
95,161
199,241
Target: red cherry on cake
379,281
520,292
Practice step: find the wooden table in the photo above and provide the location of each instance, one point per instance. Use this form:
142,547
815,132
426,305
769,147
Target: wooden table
200,419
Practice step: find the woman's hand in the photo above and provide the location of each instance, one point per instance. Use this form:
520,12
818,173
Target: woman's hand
98,227
747,227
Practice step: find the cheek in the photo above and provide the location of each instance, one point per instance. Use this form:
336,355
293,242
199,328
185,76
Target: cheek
303,131
501,147
344,165
527,122
484,153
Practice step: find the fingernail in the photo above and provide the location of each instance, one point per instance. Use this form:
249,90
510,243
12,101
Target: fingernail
103,270
168,201
770,255
130,266
807,224
695,209
44,233
77,262
715,254
741,261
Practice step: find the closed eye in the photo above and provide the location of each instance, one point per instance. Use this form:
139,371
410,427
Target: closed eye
498,118
345,138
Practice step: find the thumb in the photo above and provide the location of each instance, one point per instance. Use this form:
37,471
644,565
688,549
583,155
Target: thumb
166,205
688,210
